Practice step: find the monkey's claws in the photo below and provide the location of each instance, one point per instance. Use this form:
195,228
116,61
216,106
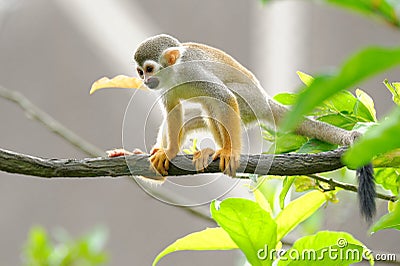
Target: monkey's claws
228,161
160,162
201,159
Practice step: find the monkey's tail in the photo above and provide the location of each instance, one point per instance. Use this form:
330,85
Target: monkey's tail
366,191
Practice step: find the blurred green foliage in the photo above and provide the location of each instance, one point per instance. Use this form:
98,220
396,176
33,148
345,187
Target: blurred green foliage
376,141
343,110
385,10
41,250
355,69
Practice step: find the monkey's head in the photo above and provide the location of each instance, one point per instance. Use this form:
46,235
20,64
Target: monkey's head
149,59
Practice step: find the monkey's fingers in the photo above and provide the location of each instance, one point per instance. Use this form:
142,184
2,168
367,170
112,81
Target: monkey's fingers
228,162
166,166
217,155
232,166
201,159
159,162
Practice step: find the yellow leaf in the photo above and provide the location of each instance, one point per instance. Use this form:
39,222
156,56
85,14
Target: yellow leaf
119,81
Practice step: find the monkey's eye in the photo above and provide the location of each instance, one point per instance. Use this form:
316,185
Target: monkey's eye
140,72
149,69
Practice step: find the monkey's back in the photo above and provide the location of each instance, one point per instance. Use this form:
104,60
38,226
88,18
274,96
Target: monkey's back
215,54
253,106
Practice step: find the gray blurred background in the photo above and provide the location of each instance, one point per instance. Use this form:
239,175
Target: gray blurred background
51,51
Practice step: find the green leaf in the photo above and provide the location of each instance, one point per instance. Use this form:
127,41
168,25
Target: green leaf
367,102
377,140
385,10
389,178
287,143
286,98
249,226
324,248
287,183
394,88
347,105
368,62
268,134
339,120
315,145
305,78
297,211
388,221
283,143
208,239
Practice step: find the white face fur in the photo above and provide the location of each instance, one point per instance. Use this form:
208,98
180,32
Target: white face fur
148,69
151,67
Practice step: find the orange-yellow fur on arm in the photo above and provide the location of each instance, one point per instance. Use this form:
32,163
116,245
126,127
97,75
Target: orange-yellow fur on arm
229,154
161,158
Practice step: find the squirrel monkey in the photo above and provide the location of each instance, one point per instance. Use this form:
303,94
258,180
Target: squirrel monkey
230,96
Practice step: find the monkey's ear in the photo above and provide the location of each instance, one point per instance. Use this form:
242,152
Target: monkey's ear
171,56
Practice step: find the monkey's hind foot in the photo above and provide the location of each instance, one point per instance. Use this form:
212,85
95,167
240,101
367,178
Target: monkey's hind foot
201,159
228,161
122,152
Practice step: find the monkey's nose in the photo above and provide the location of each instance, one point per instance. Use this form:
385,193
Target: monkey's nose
152,82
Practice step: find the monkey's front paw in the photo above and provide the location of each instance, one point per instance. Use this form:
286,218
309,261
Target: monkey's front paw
154,150
160,161
122,152
228,161
201,159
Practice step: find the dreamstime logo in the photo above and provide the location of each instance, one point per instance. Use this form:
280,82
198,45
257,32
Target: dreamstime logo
342,251
201,109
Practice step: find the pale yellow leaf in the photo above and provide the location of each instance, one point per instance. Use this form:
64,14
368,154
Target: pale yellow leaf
119,81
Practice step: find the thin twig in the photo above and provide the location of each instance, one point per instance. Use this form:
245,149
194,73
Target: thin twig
32,111
349,187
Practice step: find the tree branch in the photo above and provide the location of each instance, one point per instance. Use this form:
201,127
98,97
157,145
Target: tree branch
138,165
